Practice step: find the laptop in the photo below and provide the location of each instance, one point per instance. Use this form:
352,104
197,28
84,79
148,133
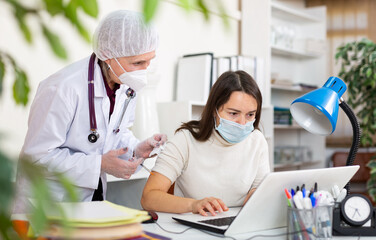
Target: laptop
267,208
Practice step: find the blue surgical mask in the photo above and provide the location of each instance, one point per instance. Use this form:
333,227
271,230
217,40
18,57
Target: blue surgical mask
234,132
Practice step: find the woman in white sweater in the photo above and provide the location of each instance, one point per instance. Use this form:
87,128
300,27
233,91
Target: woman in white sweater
218,161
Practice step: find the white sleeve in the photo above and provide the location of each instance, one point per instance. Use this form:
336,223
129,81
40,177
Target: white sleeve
263,162
130,141
51,115
174,157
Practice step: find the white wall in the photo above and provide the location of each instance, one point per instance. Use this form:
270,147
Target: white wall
180,33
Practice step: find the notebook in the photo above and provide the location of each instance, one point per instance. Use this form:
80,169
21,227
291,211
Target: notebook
267,208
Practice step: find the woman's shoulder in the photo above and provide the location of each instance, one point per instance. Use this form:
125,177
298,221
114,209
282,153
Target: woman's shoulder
183,133
258,135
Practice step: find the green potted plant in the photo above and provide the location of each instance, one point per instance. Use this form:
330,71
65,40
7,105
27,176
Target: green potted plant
358,70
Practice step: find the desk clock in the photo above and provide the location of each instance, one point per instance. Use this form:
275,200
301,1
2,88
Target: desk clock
354,216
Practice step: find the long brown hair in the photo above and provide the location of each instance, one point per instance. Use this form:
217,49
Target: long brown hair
220,93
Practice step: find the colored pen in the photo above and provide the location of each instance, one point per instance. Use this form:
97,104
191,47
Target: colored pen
315,188
295,218
292,192
288,195
313,200
304,192
147,169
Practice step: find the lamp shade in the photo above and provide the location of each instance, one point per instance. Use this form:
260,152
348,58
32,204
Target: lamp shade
317,111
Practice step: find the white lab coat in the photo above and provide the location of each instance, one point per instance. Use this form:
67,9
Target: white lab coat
59,126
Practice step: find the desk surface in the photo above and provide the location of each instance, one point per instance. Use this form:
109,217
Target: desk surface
165,220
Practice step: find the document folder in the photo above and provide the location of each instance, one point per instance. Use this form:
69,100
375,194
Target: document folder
194,77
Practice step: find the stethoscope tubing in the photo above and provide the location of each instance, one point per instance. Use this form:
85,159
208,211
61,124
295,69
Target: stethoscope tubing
93,136
93,121
130,94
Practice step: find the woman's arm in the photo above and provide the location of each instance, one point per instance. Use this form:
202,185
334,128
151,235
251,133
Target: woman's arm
155,197
249,194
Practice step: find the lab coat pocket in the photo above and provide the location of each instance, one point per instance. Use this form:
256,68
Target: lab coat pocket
56,189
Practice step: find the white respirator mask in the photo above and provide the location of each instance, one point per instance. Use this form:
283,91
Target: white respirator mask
135,79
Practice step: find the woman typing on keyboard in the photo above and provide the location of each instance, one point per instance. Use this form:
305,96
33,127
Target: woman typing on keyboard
218,161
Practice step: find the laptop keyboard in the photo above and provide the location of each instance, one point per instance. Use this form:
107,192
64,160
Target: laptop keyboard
219,221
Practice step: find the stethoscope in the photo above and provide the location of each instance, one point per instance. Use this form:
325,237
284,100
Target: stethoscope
94,135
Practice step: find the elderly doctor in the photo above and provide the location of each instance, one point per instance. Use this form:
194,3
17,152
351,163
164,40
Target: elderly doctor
79,120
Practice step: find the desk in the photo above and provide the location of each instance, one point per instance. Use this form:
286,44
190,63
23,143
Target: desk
169,224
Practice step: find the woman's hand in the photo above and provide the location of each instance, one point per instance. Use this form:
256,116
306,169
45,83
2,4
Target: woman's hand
249,194
209,204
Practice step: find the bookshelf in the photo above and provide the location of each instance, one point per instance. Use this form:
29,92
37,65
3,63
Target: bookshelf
291,39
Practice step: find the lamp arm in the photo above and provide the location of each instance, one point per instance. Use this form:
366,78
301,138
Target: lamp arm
356,136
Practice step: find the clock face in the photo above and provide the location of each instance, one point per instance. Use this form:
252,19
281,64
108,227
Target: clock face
356,209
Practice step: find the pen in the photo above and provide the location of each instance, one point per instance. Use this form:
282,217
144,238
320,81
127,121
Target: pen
313,200
295,218
288,195
147,169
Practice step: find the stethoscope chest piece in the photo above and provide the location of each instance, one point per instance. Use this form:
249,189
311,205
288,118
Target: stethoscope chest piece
93,137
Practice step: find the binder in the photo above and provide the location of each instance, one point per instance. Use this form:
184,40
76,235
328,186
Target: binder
223,65
215,71
234,63
194,77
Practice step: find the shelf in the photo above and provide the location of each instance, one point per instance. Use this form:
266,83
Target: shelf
287,127
298,16
291,88
276,50
295,164
196,103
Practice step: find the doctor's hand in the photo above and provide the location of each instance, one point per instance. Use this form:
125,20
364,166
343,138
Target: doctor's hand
210,204
112,164
144,148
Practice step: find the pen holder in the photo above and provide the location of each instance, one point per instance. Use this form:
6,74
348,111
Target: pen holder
312,224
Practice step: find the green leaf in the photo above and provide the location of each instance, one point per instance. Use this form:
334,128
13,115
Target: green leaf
6,185
83,32
54,6
2,74
149,9
372,57
21,87
71,14
339,53
90,7
186,4
369,72
54,42
201,5
20,17
372,165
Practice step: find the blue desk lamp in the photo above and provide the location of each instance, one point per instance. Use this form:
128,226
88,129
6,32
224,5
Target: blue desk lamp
317,112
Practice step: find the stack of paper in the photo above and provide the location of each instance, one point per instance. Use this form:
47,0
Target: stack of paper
95,220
